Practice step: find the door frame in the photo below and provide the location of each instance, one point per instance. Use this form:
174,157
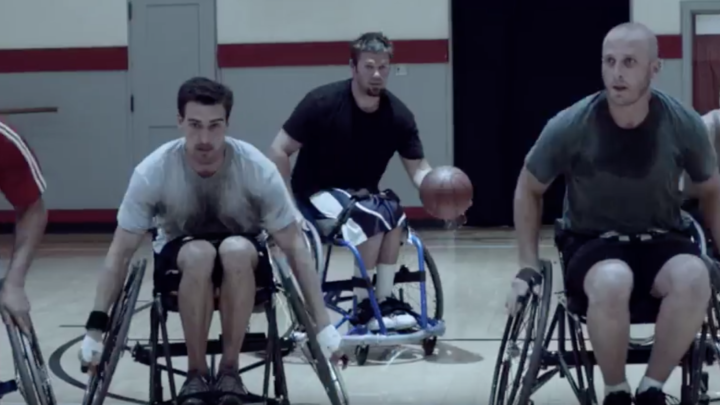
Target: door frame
688,10
129,76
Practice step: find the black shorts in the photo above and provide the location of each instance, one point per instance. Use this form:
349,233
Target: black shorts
644,257
166,276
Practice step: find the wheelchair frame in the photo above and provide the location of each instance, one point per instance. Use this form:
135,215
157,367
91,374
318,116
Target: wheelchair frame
32,378
694,385
159,345
360,337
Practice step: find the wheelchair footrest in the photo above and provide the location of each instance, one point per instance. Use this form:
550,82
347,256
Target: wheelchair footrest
7,387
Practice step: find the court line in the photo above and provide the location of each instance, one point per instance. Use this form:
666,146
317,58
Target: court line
56,368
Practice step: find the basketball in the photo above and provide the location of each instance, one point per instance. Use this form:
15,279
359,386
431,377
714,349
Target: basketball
446,192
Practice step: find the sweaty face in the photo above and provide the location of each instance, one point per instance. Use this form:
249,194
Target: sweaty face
204,127
371,72
627,70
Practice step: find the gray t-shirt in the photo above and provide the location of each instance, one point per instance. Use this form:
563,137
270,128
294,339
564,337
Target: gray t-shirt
623,180
246,196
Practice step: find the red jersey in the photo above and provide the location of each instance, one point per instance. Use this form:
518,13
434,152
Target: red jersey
21,180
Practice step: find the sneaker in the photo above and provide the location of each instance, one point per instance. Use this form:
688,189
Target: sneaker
194,387
395,314
230,387
652,396
619,398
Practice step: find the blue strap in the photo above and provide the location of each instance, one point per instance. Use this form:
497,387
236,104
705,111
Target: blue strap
7,387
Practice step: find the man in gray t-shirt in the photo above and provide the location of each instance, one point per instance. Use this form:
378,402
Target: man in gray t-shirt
210,198
622,152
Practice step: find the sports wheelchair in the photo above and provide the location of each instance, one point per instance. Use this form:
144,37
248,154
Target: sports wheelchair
32,379
158,347
533,346
327,234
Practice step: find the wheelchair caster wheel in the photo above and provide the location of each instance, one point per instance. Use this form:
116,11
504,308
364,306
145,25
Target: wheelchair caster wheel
361,354
428,345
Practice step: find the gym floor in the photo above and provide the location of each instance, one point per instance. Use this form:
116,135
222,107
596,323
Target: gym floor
475,267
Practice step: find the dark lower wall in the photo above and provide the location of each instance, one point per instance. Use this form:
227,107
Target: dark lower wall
85,148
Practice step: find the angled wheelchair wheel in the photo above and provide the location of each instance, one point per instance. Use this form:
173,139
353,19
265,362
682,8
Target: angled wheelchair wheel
33,379
115,340
328,373
522,347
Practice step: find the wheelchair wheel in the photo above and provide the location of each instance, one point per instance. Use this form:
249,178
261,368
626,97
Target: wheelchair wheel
328,373
533,317
30,369
114,341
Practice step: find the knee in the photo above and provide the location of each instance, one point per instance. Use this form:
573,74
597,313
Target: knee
609,283
238,255
687,275
197,258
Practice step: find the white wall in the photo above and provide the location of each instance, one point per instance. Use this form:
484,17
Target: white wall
661,16
268,21
102,23
62,23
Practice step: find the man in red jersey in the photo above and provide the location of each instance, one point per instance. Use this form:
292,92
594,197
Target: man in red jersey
22,184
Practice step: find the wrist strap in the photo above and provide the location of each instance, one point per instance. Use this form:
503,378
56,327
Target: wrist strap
530,276
329,340
98,321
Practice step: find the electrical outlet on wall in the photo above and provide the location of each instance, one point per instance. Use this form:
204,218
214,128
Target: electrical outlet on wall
400,70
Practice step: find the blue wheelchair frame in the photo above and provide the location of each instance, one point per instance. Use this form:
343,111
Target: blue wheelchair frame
360,335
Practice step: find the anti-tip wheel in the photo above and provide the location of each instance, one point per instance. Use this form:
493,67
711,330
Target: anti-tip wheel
428,345
361,354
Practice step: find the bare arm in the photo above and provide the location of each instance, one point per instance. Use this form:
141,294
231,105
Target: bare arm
712,124
281,150
290,240
29,230
527,217
115,268
417,169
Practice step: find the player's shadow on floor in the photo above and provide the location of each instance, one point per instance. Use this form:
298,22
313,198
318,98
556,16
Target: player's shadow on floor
444,354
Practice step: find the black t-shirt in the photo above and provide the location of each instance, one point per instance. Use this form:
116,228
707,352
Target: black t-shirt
345,147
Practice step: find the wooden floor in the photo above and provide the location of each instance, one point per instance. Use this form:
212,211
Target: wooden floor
475,266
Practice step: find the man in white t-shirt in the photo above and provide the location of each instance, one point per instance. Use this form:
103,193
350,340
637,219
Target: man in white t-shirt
209,196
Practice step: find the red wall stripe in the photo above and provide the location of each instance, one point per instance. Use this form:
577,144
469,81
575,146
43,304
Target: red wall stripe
670,46
229,56
109,216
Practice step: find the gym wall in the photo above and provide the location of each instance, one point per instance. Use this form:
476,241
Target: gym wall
663,17
75,55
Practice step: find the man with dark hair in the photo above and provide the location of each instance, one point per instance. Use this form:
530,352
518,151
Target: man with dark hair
622,152
211,197
23,185
346,132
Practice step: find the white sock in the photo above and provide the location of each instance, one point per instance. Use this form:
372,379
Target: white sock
385,281
622,387
646,383
362,293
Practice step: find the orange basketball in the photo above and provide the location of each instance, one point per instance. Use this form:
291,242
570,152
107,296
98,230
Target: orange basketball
446,192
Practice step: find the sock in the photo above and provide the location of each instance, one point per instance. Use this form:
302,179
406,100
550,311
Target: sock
646,383
622,387
385,281
361,293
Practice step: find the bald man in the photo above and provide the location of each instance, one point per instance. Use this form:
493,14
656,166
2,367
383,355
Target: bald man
622,151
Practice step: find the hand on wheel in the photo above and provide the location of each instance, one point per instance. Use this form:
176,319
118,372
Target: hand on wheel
15,306
518,290
329,340
91,350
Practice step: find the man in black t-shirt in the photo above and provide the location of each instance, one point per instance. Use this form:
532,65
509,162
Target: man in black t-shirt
346,132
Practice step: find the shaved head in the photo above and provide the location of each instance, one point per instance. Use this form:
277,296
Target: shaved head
629,63
635,33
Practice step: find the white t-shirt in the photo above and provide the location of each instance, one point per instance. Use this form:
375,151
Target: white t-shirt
246,196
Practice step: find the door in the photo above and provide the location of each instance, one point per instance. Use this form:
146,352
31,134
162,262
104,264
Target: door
170,41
